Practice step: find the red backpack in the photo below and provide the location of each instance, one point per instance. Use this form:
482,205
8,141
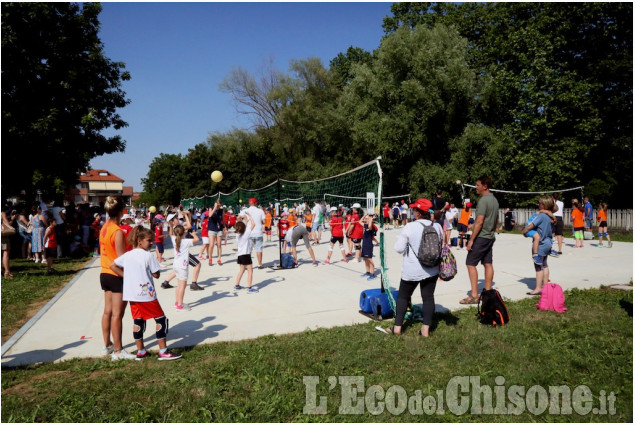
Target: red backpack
552,298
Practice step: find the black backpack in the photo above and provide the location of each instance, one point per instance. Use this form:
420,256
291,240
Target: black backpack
429,253
491,309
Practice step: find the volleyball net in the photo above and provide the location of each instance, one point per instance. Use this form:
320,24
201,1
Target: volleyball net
362,185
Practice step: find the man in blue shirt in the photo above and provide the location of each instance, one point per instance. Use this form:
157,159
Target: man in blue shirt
588,214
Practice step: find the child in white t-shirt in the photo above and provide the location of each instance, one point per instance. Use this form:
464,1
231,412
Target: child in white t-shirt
243,231
181,262
138,267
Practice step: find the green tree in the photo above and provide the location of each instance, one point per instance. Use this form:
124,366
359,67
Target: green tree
59,91
416,95
560,92
164,181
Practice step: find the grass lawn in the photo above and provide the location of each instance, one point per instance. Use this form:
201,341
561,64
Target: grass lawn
261,380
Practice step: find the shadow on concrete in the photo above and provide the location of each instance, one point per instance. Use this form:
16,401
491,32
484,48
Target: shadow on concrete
529,281
39,356
267,282
188,333
216,295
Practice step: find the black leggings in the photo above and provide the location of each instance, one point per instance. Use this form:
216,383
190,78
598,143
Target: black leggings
406,289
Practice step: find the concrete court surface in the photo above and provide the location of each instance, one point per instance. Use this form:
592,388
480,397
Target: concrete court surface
292,300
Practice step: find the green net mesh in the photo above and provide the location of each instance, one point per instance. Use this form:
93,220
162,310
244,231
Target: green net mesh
361,185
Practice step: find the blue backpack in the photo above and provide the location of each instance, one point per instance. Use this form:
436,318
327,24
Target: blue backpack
287,261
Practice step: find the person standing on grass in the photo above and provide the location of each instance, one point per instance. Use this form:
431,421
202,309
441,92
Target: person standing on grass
112,245
413,274
244,228
558,228
543,225
603,226
138,268
480,246
50,245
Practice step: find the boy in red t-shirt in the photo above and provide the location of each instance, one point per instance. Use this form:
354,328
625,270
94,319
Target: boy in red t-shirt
337,235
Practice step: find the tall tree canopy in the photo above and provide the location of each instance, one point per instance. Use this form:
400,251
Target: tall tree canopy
59,91
537,95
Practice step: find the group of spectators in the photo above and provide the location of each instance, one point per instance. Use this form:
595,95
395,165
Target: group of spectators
46,230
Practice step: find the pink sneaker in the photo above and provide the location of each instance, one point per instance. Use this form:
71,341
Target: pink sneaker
327,262
345,260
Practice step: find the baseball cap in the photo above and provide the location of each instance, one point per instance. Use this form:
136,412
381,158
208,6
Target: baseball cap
333,209
171,217
469,204
126,217
356,205
422,204
253,201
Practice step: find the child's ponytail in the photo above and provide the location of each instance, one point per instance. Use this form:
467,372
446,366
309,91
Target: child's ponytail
179,231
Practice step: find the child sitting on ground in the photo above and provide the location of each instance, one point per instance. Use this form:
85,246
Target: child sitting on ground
138,267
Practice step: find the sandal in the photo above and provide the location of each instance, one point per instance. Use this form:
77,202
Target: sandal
469,300
421,334
8,276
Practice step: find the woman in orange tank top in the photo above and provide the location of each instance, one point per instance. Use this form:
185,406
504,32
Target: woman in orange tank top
112,244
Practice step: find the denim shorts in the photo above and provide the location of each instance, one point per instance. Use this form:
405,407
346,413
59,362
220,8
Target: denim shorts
257,241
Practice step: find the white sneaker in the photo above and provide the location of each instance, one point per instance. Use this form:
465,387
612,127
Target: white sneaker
43,261
123,355
107,350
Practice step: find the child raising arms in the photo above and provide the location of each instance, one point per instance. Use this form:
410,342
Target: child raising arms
138,268
243,230
181,262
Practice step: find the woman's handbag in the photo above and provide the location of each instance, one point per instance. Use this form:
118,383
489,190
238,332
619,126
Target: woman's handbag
7,231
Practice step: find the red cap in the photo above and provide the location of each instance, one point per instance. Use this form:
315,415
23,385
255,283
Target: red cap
469,205
253,201
423,204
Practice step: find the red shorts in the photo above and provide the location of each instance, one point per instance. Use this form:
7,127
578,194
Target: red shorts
146,310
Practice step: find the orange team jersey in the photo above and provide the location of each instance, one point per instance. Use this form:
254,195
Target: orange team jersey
578,218
293,220
601,216
107,246
465,216
308,219
268,219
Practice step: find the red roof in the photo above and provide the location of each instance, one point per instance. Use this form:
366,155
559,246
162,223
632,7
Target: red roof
127,191
99,176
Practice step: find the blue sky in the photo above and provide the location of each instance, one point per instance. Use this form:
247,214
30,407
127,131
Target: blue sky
178,53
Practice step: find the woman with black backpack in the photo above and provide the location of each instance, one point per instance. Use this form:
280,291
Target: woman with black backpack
418,241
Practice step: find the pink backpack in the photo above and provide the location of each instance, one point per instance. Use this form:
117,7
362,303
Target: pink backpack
552,298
